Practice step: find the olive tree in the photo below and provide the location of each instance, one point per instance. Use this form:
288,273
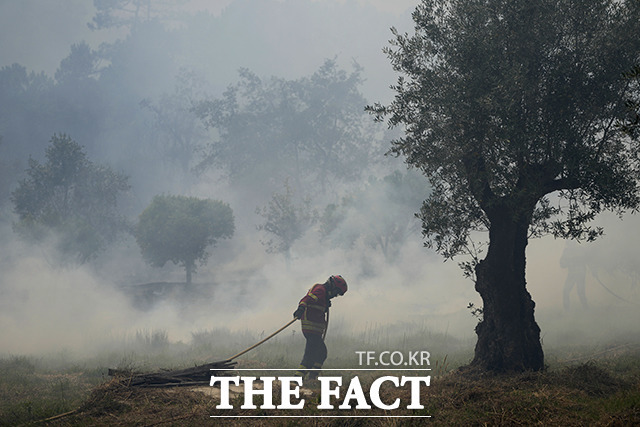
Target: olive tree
180,229
510,108
632,124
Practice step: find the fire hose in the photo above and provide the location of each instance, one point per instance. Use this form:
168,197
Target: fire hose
273,335
258,343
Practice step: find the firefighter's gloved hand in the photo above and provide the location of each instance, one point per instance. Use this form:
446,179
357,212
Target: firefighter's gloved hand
299,312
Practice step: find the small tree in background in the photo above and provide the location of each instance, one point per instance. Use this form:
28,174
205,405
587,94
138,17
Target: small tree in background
72,196
380,214
285,221
180,229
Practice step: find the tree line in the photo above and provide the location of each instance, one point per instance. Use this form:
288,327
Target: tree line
117,143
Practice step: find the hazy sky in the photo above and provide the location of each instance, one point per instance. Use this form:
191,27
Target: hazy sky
38,33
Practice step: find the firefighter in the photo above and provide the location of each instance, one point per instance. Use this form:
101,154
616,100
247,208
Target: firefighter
313,309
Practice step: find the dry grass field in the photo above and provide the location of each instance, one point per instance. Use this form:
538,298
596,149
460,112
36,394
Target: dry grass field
590,387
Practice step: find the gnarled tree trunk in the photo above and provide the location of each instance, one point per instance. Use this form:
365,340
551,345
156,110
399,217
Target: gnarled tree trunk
508,335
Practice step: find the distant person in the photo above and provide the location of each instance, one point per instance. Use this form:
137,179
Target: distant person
313,310
574,260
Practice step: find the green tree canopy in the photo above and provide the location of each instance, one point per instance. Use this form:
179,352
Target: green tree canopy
312,130
510,109
632,124
73,196
180,229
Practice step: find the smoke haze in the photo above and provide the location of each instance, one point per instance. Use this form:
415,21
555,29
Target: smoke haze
46,306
